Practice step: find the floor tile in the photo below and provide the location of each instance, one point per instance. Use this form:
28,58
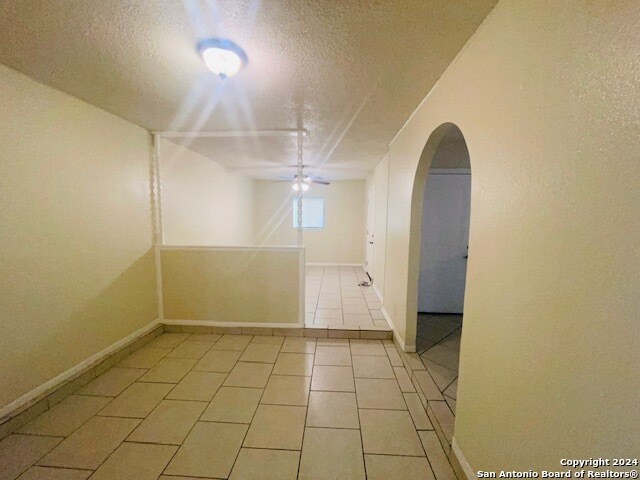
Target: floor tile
253,375
204,337
452,403
355,310
190,349
332,410
324,313
332,342
335,379
414,361
169,370
268,339
19,452
379,394
384,467
66,416
233,405
169,423
452,390
91,444
329,304
171,340
233,342
444,416
417,412
367,347
298,345
452,341
276,426
294,364
389,432
372,367
135,461
258,352
137,401
437,458
444,356
427,385
405,383
358,320
331,454
394,356
286,390
261,464
145,357
112,382
50,473
200,386
354,301
326,355
195,458
218,361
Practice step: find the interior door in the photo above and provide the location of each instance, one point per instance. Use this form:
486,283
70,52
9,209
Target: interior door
445,237
370,228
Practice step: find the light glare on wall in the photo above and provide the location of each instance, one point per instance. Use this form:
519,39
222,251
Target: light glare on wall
222,56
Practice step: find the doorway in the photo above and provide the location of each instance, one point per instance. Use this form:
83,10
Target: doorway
444,240
370,230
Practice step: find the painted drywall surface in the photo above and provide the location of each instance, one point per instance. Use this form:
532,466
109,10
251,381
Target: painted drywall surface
380,179
250,286
77,266
342,240
546,96
203,203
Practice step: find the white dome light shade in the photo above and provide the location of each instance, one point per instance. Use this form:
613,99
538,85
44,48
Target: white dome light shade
223,57
296,186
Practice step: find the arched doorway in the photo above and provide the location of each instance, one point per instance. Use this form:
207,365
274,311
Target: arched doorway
439,250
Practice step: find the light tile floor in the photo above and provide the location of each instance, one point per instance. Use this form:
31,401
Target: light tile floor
239,407
334,299
438,344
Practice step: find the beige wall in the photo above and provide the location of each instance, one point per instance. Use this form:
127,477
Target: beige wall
379,179
343,238
546,95
203,203
217,284
77,269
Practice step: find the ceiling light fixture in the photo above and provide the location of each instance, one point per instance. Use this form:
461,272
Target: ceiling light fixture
296,186
222,56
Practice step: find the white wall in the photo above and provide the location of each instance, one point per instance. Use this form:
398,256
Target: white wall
203,203
77,269
546,95
342,240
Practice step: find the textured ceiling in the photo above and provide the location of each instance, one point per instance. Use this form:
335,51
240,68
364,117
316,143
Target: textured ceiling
349,71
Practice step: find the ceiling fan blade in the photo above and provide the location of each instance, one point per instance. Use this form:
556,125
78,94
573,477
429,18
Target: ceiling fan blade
321,182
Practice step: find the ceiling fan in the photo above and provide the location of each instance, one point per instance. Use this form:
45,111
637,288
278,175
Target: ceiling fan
302,181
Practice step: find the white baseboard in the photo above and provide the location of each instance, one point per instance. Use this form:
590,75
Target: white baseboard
396,336
335,265
36,392
377,292
464,463
212,323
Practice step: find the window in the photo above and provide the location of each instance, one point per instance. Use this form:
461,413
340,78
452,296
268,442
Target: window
312,212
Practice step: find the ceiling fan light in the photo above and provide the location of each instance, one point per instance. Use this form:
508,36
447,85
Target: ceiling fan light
223,57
